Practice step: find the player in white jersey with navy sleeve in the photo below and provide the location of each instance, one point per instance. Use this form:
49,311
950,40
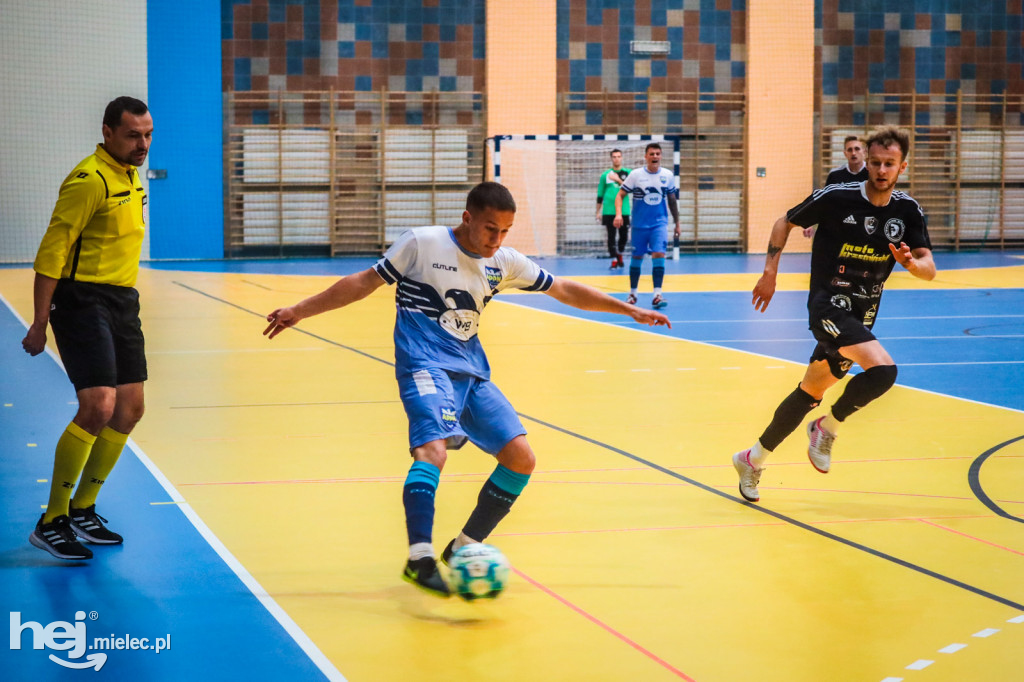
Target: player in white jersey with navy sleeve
655,196
445,277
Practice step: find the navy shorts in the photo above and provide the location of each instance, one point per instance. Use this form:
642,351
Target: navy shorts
98,333
453,407
835,323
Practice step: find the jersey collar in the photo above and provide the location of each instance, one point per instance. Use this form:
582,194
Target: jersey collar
110,160
451,233
864,193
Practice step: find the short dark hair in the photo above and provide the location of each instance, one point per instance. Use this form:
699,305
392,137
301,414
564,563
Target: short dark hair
116,108
888,136
490,195
614,150
652,145
849,139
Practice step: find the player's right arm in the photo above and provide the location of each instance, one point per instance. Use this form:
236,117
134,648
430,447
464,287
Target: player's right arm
601,186
764,290
618,206
42,294
343,292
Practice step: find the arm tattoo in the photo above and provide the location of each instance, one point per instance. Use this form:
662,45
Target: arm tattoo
772,250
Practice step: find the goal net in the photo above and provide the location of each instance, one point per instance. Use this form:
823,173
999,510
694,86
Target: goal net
554,181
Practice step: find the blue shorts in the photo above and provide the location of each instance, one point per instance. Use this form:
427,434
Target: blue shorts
649,240
448,406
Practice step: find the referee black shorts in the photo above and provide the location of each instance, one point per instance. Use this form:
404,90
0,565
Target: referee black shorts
98,333
835,324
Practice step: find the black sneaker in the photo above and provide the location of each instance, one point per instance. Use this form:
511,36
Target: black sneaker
88,525
446,555
57,538
423,574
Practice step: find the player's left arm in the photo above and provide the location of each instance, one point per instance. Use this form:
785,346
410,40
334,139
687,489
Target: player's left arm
586,297
918,262
673,207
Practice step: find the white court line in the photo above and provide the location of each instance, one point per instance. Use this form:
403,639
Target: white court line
1016,619
966,362
279,614
920,664
893,679
987,632
643,330
952,648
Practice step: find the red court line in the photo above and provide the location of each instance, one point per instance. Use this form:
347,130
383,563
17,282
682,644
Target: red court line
951,530
604,626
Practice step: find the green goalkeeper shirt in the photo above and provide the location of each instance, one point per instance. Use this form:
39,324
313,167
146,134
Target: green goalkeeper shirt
607,189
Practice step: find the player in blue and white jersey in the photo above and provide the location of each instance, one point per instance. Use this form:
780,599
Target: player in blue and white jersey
864,229
655,195
445,277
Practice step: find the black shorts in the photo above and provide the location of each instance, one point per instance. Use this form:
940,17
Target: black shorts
98,333
835,324
608,220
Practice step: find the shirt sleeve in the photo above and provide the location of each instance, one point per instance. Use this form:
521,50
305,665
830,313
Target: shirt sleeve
601,185
397,260
522,273
673,188
81,195
810,211
917,237
629,184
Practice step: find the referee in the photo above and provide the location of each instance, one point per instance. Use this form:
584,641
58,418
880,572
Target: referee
84,287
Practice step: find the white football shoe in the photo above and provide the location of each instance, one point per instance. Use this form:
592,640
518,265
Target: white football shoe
819,446
750,476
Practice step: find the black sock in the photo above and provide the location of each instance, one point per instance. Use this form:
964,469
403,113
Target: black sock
788,416
492,505
863,388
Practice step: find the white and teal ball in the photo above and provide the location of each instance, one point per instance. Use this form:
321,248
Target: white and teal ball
478,571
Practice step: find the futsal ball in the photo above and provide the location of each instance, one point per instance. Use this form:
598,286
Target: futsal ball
478,571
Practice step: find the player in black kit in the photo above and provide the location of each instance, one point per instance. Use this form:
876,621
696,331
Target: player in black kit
864,229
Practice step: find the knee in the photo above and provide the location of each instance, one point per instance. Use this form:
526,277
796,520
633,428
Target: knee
433,452
95,412
518,456
885,375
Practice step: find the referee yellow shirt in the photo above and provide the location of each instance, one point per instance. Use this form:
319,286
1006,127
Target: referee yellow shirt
95,234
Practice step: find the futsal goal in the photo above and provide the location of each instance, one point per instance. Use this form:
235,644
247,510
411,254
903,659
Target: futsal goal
554,180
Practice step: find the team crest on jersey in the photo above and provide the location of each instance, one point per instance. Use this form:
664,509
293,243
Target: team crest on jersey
870,224
493,276
842,301
894,229
448,418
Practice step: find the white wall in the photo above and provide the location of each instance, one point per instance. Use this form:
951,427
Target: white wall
60,63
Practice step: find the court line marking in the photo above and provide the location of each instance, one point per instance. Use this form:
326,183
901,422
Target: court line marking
971,537
284,620
974,480
643,329
601,624
952,648
764,510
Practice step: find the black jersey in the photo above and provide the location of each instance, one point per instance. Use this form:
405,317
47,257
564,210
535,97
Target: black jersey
838,176
850,257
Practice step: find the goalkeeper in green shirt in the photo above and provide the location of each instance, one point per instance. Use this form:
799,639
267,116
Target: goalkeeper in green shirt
607,188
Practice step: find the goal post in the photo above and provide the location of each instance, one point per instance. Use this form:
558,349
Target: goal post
554,179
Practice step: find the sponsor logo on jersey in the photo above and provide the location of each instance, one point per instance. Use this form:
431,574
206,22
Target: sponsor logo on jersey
862,252
894,229
448,418
493,276
652,196
870,224
850,220
869,316
842,301
841,283
442,266
81,175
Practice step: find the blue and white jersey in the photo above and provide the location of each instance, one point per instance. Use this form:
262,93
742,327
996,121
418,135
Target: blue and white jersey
442,290
650,193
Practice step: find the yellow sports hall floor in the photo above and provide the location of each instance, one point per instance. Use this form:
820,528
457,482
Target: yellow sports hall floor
634,557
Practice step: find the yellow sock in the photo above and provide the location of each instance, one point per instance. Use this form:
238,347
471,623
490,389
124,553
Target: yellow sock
71,454
101,462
